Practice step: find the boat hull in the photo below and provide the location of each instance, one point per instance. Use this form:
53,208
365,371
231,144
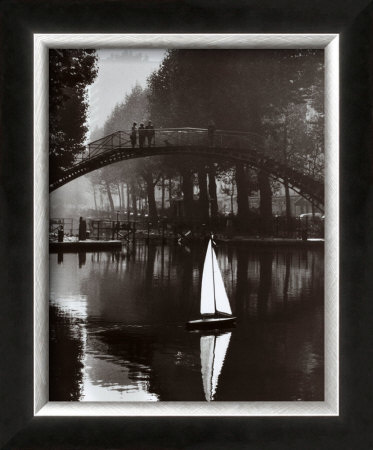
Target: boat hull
212,323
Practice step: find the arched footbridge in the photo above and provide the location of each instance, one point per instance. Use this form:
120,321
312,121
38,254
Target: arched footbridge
302,175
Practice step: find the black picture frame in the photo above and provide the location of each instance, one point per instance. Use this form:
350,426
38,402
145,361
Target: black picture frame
18,21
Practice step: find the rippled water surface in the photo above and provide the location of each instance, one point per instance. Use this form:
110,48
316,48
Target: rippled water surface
117,325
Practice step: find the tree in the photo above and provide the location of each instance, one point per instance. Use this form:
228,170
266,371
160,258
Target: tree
151,174
71,71
228,179
134,108
243,90
239,90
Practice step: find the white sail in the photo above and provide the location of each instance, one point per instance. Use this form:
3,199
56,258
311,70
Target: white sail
213,352
221,298
207,288
213,295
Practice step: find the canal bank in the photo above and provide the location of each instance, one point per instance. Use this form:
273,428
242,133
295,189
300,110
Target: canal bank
116,245
272,241
88,246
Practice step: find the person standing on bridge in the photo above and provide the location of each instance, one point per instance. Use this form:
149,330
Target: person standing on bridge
150,133
211,132
133,135
142,134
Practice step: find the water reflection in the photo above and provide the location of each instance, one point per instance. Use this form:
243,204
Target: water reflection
213,351
59,258
117,326
82,259
66,337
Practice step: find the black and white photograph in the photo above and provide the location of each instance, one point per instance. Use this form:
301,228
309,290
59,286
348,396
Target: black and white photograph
186,227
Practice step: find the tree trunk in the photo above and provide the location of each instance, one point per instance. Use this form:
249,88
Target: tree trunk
94,196
119,196
128,197
265,202
203,201
148,177
242,196
134,200
101,200
108,191
122,191
212,192
163,195
169,191
187,187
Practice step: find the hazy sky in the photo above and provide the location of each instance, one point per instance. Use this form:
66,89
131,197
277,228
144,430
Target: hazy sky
119,71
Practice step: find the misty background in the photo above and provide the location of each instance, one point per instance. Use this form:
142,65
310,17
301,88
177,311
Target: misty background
119,71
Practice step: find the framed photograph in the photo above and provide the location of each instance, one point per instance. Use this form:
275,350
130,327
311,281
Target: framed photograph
185,201
167,301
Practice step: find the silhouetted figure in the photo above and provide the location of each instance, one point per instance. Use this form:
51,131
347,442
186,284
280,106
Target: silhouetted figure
150,133
60,234
211,132
133,135
142,134
82,229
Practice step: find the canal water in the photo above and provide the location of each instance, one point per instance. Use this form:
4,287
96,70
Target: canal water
117,325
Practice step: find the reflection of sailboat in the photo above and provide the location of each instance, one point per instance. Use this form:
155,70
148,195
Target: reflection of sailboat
215,308
213,351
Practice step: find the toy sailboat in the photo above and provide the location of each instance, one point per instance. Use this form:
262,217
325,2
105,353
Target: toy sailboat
215,308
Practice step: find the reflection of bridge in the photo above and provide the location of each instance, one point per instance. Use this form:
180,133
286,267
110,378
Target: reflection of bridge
250,148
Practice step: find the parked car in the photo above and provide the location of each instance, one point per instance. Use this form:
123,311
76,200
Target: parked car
311,217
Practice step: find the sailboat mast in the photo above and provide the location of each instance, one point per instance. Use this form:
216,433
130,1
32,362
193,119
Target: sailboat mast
213,275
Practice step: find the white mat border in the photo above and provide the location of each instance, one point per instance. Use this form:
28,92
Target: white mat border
42,42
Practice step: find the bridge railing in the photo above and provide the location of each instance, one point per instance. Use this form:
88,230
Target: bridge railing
169,137
176,137
114,140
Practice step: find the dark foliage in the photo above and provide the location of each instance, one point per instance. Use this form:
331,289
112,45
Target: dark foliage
71,71
263,92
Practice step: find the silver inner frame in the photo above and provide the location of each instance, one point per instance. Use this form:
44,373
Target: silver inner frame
42,406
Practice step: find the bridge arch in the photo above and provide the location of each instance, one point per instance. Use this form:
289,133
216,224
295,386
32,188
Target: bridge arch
234,146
